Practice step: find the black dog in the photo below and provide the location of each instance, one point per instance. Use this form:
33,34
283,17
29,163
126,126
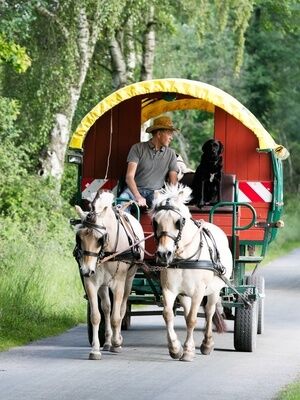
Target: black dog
207,179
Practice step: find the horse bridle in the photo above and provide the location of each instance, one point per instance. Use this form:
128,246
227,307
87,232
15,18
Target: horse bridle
133,253
79,252
168,207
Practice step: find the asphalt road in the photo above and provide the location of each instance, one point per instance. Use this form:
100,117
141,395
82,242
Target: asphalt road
58,368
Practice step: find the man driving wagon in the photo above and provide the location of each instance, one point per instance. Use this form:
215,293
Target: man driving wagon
151,163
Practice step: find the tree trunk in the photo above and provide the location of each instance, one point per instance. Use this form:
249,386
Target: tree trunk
148,48
131,57
119,73
52,159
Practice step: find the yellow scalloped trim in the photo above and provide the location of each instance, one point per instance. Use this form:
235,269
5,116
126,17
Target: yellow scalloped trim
206,97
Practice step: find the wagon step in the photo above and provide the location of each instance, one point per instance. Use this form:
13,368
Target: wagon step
249,259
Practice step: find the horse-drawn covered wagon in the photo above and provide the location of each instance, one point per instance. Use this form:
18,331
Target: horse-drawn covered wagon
251,186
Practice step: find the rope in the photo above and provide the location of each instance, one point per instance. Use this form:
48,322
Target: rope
110,144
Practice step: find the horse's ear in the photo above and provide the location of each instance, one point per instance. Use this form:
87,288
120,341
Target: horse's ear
184,193
80,212
97,195
156,194
156,197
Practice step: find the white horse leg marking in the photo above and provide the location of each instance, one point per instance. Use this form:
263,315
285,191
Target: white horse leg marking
175,348
106,308
95,317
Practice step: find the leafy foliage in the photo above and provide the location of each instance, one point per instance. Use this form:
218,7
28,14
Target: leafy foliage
270,80
14,54
9,111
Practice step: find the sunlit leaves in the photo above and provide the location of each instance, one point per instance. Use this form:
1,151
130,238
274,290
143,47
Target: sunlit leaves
16,17
14,54
9,111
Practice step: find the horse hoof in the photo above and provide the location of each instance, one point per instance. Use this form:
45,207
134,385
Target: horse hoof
187,357
115,349
205,350
106,347
95,356
178,355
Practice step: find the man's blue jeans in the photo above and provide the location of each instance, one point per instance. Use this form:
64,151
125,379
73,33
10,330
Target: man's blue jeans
146,193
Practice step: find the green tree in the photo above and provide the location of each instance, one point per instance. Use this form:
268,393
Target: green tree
207,45
13,57
271,78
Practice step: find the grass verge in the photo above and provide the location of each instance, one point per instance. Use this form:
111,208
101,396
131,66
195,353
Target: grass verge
290,392
40,290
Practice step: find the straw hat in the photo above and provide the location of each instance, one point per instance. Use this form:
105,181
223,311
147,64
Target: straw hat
161,123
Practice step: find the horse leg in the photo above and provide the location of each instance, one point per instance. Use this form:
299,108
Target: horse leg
185,301
127,290
106,308
95,318
191,322
210,308
174,345
116,319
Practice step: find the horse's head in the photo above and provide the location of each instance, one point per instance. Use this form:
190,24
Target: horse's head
168,218
91,235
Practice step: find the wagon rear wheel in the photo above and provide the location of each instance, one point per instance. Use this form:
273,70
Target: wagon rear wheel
245,328
259,282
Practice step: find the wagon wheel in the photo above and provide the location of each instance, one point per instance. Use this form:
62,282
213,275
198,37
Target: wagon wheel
127,318
101,333
259,282
245,328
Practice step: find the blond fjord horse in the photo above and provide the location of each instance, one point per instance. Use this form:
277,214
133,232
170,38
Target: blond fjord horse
194,253
102,232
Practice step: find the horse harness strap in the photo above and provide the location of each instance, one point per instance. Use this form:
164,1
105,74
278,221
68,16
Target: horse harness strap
214,264
213,250
133,251
193,264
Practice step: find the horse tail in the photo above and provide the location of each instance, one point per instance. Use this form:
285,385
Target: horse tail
219,321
